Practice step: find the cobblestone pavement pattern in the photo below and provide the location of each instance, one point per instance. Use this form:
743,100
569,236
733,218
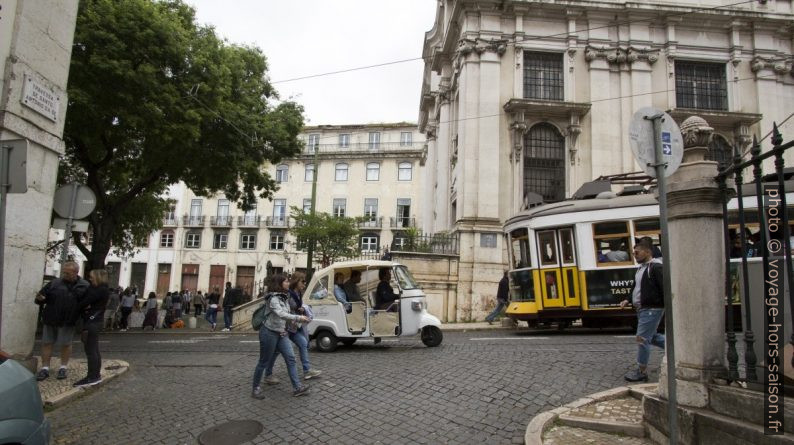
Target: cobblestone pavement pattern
566,435
624,409
477,387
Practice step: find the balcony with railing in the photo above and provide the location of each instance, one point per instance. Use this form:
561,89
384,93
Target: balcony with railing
221,221
365,147
169,221
277,221
248,221
402,222
371,222
193,221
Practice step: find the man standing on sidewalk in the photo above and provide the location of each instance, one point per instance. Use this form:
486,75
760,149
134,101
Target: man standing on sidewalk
59,298
648,299
502,298
231,298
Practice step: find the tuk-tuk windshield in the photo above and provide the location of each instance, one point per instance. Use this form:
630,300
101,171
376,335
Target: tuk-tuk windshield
404,278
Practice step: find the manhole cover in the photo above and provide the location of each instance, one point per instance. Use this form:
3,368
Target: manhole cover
231,433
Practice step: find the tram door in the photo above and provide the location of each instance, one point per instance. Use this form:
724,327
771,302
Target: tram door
559,276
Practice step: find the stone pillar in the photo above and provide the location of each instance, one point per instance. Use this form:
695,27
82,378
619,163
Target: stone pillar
697,268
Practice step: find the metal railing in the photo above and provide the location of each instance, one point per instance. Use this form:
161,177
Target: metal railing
371,223
770,198
277,221
169,222
401,222
439,243
221,221
193,221
248,221
364,147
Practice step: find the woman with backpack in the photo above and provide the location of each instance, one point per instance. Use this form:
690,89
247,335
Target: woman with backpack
273,336
296,333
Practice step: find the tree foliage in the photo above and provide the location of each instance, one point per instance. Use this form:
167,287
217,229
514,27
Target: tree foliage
334,237
155,99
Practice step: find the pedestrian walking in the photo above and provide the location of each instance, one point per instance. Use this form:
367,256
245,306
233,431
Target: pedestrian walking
648,299
91,306
273,336
176,305
127,302
198,303
502,298
187,296
150,319
231,298
59,298
213,300
295,331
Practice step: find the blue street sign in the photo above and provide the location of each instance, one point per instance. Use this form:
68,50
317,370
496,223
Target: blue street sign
667,145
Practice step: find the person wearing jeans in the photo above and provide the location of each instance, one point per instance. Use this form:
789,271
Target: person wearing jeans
648,299
502,297
231,298
92,308
212,308
273,336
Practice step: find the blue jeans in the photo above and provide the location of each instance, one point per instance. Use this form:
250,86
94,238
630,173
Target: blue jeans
269,343
647,324
299,338
227,316
212,315
500,306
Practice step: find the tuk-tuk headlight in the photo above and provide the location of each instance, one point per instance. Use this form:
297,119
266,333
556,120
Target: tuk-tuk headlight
417,306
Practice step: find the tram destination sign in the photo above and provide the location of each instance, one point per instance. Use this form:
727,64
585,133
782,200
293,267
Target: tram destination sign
641,140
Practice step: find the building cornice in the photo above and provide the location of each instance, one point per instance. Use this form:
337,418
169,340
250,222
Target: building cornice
547,107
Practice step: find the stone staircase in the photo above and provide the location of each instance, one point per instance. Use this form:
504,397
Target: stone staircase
734,417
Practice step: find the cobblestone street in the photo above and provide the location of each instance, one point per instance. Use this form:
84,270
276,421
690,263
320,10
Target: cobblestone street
477,387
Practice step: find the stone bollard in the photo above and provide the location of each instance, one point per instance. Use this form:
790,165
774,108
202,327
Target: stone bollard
697,266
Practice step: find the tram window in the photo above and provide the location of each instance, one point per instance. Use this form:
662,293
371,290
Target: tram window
566,244
519,245
612,243
649,228
548,248
522,286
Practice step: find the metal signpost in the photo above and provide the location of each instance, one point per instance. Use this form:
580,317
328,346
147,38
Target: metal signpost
73,201
658,146
13,179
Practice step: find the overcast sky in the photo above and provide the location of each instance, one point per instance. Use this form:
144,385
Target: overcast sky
306,37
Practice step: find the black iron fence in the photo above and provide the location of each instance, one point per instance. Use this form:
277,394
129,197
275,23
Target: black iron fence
438,243
757,234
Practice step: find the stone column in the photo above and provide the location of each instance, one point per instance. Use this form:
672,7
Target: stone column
697,269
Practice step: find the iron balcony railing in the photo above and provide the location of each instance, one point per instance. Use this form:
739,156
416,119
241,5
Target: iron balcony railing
402,222
248,221
221,221
193,221
277,221
169,221
364,147
371,222
438,243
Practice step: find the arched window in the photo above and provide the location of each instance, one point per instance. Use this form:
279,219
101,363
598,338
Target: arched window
341,172
544,162
282,173
373,171
720,150
308,174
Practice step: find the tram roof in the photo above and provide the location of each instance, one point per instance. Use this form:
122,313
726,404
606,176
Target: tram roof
584,205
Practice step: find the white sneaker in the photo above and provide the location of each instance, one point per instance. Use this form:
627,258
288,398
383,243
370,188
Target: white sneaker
225,330
272,380
311,374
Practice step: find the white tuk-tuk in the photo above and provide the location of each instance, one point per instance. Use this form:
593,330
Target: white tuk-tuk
384,301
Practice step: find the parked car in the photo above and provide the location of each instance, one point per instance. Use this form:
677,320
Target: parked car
22,418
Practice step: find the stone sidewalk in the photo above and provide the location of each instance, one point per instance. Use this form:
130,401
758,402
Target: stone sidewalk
609,417
55,392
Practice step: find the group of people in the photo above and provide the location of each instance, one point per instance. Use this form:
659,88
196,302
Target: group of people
347,292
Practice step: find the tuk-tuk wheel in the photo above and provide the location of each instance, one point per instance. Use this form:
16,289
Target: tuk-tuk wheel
326,341
432,336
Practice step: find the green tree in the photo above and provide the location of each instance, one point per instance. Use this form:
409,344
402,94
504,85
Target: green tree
155,99
335,237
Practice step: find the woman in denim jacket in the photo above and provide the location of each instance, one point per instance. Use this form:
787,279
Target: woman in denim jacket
273,336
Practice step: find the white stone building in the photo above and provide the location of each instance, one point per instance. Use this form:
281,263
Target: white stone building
523,101
35,52
372,170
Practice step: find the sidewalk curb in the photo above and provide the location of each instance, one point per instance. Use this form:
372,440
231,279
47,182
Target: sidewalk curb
62,398
538,425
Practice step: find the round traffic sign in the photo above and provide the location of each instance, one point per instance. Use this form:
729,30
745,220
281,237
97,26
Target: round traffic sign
641,140
84,203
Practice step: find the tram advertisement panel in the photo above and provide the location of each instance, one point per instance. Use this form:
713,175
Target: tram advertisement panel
607,288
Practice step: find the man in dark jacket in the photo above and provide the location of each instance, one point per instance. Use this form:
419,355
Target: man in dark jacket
232,296
648,300
502,298
59,298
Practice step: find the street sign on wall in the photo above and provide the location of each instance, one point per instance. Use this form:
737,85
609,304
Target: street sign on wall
641,140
